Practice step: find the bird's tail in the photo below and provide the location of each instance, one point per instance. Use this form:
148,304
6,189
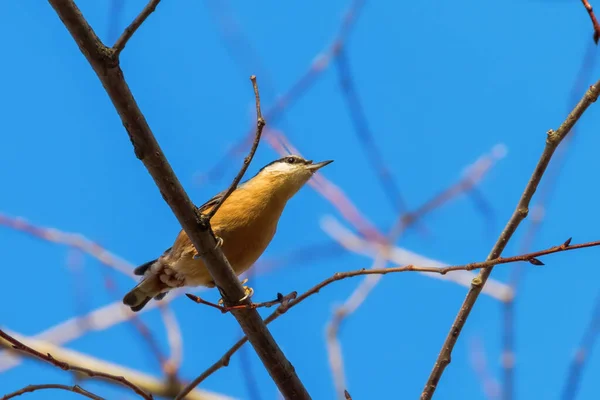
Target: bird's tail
149,287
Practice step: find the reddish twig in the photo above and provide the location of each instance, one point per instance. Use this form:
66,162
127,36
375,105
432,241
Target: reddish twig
260,124
553,139
32,388
595,24
17,345
281,299
283,308
135,24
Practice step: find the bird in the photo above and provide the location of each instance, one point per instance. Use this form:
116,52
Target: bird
244,225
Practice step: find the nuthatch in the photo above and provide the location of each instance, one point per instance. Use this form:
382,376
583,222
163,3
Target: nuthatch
244,226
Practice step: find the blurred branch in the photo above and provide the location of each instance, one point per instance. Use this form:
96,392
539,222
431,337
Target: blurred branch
273,113
32,388
491,387
595,24
553,139
537,216
364,134
582,354
17,345
135,24
72,240
145,382
175,340
105,63
362,291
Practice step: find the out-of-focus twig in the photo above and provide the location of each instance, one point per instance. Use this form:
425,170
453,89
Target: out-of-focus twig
17,345
595,24
578,363
362,291
146,382
73,240
490,386
553,139
32,388
364,134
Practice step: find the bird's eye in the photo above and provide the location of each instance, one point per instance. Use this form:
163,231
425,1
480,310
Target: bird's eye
290,160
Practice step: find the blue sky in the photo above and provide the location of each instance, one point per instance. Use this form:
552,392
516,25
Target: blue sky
441,84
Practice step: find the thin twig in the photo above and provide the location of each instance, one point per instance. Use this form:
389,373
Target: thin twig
582,354
537,216
552,141
197,227
17,345
130,30
319,64
260,124
281,299
32,388
595,24
283,308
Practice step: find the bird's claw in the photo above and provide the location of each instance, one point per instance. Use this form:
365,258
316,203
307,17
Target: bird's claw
247,290
218,245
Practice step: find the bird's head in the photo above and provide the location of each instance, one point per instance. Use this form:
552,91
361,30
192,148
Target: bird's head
287,175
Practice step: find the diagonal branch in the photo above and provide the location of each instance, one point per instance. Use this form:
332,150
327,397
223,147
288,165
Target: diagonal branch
552,141
105,63
130,30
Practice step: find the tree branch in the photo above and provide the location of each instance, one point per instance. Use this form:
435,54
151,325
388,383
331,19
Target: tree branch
17,345
130,30
552,141
105,63
33,388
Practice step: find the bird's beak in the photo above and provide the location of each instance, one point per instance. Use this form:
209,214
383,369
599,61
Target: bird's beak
317,166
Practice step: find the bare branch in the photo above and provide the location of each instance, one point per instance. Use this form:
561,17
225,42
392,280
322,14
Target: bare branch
260,124
17,345
105,64
32,388
552,141
130,30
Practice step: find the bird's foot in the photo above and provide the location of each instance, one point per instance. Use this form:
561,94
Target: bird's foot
247,290
218,245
